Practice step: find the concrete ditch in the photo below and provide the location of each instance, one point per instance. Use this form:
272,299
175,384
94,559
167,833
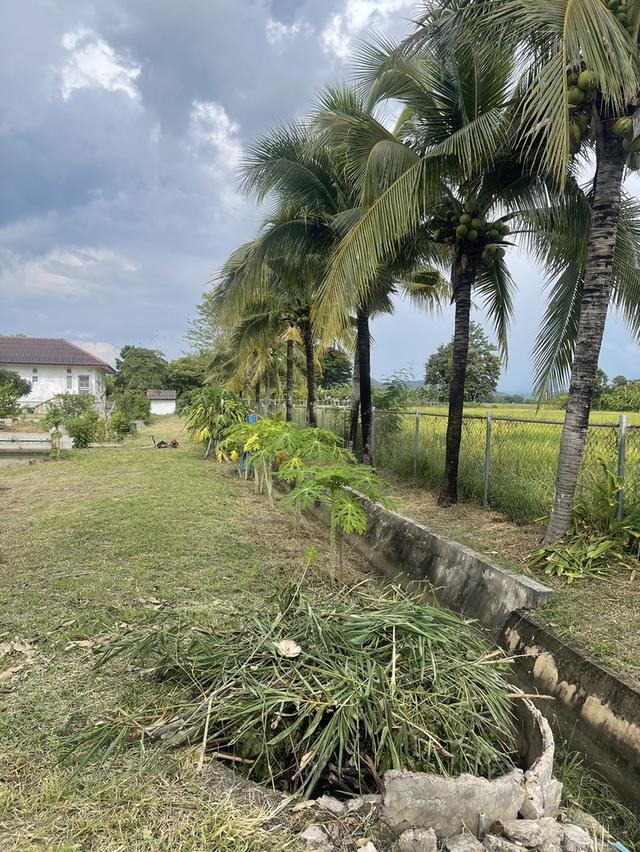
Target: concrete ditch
594,709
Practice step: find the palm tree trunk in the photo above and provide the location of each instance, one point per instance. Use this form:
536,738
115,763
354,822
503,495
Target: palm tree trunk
289,415
355,403
257,394
307,338
593,315
364,364
463,275
267,394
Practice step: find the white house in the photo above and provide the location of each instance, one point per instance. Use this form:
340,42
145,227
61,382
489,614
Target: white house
162,401
54,366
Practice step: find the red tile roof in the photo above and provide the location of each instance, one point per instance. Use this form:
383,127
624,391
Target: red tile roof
38,351
161,394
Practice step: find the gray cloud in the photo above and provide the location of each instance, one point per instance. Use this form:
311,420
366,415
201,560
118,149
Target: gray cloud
121,125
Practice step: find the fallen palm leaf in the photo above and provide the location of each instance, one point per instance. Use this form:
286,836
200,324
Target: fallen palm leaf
345,712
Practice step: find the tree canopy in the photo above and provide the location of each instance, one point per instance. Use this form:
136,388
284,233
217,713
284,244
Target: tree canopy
483,367
140,369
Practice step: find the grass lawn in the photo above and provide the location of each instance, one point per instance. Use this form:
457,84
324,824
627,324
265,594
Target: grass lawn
87,543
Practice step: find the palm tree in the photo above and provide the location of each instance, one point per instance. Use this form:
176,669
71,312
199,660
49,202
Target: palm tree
268,304
444,177
573,54
310,180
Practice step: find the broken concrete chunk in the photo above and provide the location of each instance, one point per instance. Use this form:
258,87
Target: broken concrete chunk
331,804
417,840
316,838
449,805
463,843
575,839
364,803
532,834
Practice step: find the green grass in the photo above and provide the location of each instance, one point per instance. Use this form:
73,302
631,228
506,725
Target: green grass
524,456
88,543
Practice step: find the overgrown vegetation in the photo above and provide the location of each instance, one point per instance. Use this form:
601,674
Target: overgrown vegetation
586,789
326,694
211,412
597,543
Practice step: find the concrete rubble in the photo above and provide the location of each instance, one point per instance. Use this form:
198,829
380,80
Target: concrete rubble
425,812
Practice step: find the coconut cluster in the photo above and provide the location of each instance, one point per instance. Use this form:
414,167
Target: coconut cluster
621,9
582,88
471,228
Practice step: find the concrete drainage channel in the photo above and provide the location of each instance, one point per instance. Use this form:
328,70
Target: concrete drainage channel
422,812
593,708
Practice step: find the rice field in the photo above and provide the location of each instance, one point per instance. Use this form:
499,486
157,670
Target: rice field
523,454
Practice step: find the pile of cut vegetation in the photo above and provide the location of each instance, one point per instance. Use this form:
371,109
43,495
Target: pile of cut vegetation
329,695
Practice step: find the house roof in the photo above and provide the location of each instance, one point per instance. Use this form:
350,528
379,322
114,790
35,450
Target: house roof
161,394
38,351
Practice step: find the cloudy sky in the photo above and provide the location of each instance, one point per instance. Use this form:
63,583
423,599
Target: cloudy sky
121,126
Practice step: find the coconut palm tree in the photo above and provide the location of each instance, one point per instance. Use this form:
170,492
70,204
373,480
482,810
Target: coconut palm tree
577,58
446,176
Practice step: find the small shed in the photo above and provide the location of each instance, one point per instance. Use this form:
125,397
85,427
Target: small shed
162,401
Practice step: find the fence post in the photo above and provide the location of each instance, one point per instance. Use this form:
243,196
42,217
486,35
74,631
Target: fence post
416,445
372,437
622,458
487,461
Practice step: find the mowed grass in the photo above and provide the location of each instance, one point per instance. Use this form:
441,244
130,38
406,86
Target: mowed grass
98,540
533,412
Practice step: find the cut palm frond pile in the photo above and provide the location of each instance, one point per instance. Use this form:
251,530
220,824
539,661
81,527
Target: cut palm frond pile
329,695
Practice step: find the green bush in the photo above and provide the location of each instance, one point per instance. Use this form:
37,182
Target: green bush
118,425
9,401
84,428
133,405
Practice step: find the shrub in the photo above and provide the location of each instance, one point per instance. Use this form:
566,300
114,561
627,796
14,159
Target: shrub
9,401
133,405
84,428
21,386
312,694
65,405
212,411
118,425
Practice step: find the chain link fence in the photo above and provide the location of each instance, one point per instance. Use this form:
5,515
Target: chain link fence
507,464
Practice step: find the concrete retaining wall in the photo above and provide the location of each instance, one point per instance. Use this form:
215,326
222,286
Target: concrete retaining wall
594,709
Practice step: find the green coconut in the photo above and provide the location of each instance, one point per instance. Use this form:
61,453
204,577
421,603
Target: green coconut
461,232
634,162
500,252
587,80
622,126
576,96
437,234
476,224
494,234
472,235
465,219
490,249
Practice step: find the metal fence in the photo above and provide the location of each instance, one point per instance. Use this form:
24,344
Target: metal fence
505,463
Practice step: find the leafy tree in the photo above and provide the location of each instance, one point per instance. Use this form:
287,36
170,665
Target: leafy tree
622,398
133,404
619,381
19,386
140,369
187,373
600,386
205,332
336,369
484,366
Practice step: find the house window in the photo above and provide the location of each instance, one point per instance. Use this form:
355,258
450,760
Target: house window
84,385
34,376
69,381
